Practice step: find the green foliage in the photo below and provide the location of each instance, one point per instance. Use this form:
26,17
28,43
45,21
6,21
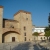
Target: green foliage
35,34
47,29
47,32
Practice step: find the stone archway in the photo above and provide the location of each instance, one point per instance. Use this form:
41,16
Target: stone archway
7,36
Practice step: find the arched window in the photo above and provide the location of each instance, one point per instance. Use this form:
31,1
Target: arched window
44,38
41,38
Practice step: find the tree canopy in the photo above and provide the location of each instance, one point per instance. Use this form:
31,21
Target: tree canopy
35,34
47,29
47,32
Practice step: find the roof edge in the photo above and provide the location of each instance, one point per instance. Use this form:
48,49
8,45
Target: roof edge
22,11
1,6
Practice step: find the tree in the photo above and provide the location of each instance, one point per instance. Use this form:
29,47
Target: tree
47,29
47,32
36,34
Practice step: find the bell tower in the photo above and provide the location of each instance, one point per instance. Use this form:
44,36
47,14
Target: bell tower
1,21
25,22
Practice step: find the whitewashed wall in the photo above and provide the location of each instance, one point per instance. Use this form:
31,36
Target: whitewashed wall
39,30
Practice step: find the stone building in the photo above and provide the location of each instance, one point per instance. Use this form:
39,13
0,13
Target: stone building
17,30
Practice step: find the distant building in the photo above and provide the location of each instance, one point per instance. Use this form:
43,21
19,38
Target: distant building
39,29
41,32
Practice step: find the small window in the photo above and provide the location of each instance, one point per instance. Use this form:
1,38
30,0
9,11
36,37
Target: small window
26,18
41,38
25,39
24,28
25,34
44,37
29,39
11,26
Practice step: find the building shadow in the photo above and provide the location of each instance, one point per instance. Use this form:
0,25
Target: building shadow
22,46
35,47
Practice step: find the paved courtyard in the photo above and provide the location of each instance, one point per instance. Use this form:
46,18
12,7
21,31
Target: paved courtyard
24,46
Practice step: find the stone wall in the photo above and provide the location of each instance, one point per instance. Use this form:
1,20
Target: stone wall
1,22
11,23
24,19
8,37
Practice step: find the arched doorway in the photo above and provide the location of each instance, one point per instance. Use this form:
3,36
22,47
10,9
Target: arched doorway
10,36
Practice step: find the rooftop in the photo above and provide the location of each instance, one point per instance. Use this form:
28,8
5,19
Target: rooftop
22,11
1,6
9,19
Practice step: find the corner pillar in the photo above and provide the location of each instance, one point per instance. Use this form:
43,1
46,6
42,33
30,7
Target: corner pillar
0,38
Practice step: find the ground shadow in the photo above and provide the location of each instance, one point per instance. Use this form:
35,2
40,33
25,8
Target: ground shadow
22,46
35,47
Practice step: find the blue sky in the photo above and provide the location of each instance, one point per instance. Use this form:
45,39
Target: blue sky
39,9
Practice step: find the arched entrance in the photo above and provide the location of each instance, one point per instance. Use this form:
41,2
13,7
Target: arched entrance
10,36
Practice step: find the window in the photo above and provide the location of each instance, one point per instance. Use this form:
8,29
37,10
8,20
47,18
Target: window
44,37
13,39
11,26
41,38
25,39
25,34
26,18
24,28
29,39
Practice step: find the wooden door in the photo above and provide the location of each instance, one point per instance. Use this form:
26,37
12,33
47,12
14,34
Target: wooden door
13,39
